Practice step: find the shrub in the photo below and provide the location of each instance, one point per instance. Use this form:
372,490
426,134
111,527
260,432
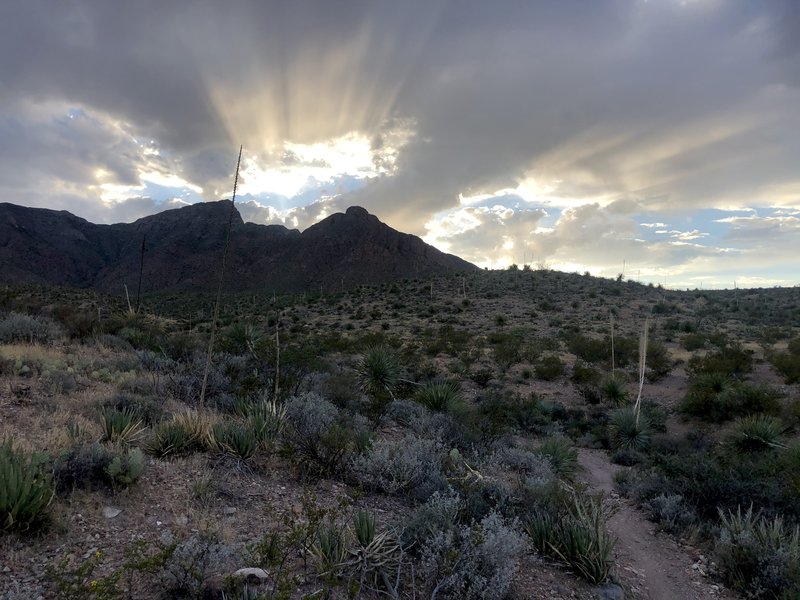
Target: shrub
26,489
671,513
628,431
473,563
439,395
549,367
756,433
318,434
82,466
17,327
788,365
169,438
266,419
716,399
396,467
758,556
533,465
729,359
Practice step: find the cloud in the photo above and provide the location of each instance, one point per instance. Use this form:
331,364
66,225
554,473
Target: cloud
578,119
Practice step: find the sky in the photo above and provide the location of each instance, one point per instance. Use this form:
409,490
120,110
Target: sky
655,138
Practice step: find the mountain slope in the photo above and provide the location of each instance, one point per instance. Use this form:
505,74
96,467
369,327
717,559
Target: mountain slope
184,248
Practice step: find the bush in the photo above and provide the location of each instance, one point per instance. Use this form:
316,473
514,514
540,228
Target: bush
475,562
549,367
318,434
717,399
26,489
396,467
614,391
126,467
233,438
788,365
729,359
758,556
671,513
17,327
82,466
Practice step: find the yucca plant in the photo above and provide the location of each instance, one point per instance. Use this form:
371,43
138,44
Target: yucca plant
378,371
197,424
614,391
628,430
439,396
168,438
372,556
756,433
234,439
329,550
561,455
26,489
578,537
120,426
266,419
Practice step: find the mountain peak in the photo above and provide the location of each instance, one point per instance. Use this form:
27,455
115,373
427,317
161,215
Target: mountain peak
357,211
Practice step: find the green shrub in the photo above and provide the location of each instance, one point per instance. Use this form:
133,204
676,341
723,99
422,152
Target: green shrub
549,367
266,419
26,489
788,365
729,359
82,466
627,431
758,556
716,398
169,438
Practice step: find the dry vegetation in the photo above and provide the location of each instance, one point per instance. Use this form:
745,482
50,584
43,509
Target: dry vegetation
422,441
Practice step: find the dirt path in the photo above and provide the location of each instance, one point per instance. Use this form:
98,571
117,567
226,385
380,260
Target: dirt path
652,565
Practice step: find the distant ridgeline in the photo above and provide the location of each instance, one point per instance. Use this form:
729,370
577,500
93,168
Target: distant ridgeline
183,249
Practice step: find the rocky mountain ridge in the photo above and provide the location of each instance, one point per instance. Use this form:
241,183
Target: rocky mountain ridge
183,249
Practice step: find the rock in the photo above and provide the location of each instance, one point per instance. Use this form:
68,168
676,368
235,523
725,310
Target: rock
109,512
229,510
252,574
610,591
182,520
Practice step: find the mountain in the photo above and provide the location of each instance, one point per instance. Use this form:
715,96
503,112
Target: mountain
183,250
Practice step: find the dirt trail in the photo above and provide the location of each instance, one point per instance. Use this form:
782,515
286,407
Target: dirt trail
652,565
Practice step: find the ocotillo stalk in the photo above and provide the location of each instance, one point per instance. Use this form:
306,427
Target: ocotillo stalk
219,287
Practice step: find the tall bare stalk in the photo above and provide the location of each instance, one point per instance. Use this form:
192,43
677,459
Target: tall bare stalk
611,318
219,286
637,407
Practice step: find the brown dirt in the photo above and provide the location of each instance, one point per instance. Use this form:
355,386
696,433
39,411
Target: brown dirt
650,565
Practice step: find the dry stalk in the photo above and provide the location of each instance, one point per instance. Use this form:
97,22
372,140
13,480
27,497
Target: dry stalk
219,286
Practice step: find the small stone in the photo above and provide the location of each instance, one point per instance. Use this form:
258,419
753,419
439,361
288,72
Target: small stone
610,591
229,510
109,512
182,520
252,574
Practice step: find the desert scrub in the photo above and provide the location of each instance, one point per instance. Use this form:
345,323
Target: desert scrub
378,371
396,467
120,426
756,433
757,556
472,562
549,367
614,391
716,398
560,454
233,438
18,327
26,489
318,435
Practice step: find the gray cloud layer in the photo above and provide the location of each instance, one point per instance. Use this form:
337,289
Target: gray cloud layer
670,105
